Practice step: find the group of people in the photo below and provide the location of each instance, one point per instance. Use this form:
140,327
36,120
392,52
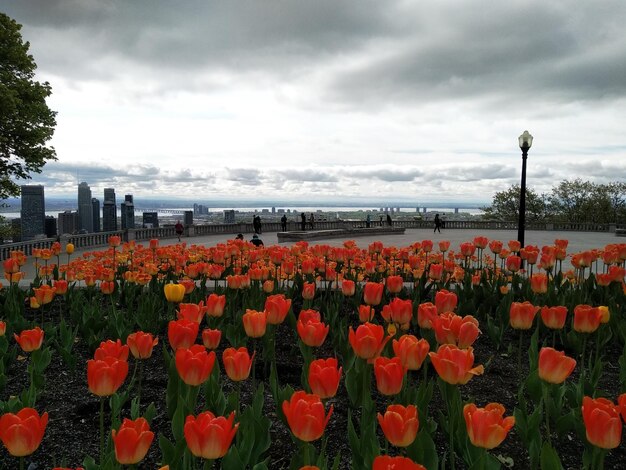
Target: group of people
368,221
303,221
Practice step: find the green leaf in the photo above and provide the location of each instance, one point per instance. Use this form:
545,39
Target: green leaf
423,450
549,458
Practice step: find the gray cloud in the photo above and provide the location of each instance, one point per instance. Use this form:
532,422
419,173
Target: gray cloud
246,176
308,175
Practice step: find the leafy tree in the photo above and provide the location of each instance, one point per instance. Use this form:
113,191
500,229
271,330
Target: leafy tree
26,122
505,205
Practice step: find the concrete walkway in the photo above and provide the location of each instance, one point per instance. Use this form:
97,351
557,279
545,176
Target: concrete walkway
578,241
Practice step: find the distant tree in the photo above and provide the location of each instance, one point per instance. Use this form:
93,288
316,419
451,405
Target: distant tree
505,205
26,122
615,196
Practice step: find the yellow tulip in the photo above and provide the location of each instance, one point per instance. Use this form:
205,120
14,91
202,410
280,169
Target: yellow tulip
174,292
69,248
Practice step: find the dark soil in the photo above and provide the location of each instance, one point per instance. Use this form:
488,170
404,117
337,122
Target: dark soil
73,430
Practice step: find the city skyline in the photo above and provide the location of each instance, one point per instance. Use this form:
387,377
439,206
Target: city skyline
323,101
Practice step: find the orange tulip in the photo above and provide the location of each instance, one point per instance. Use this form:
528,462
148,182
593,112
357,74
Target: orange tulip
411,351
487,427
348,288
306,416
132,441
44,294
514,246
312,331
211,338
141,344
513,263
444,245
554,317
268,286
308,290
522,315
555,366
254,323
60,287
22,433
435,272
481,242
386,462
399,424
389,375
105,376
208,436
195,364
182,333
188,284
539,283
398,311
426,315
277,307
107,287
237,363
368,341
215,305
111,348
174,292
454,329
3,328
30,340
445,301
11,266
467,249
394,284
324,377
587,319
454,365
602,422
115,241
373,293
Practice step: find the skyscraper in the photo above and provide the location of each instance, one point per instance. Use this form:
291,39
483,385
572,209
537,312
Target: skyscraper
33,212
128,212
85,209
95,210
109,211
68,222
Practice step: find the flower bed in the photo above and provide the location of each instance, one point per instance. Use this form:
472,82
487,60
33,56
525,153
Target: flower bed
282,357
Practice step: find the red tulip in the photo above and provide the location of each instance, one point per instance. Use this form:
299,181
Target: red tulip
182,333
445,301
254,323
30,340
398,311
389,375
426,315
587,319
399,424
522,314
368,341
602,422
141,344
237,363
208,436
211,338
454,365
554,317
277,307
195,364
312,331
132,441
366,313
324,377
513,263
22,433
373,293
348,288
453,329
306,416
191,312
215,305
411,351
555,366
386,462
435,272
105,376
487,427
308,290
394,284
111,348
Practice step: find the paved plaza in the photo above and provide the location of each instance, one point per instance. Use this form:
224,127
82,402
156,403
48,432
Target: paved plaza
578,241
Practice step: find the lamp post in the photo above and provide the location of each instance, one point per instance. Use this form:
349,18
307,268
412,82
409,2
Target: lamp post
525,141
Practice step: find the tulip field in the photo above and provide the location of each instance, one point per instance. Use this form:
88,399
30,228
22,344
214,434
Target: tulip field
484,355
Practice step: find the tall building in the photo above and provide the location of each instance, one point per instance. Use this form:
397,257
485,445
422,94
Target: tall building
150,220
128,212
85,210
95,211
109,211
33,212
51,226
68,222
188,218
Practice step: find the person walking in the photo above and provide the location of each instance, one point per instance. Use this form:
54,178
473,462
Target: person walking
303,221
283,223
179,229
437,224
389,221
312,221
368,221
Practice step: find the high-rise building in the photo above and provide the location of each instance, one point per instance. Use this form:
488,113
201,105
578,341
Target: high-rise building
128,212
51,226
188,218
229,217
68,222
109,211
95,211
150,220
85,209
33,212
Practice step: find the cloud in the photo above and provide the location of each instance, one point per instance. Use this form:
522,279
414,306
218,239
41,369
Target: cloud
246,176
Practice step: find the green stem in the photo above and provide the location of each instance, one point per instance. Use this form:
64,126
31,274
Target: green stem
208,464
21,463
32,392
141,365
519,356
546,404
101,429
306,454
582,359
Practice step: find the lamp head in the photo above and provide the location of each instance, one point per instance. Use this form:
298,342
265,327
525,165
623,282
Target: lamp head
525,140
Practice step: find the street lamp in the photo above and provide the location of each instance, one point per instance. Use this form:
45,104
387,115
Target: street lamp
525,141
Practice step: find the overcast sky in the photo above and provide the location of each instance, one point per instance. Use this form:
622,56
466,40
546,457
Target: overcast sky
326,99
